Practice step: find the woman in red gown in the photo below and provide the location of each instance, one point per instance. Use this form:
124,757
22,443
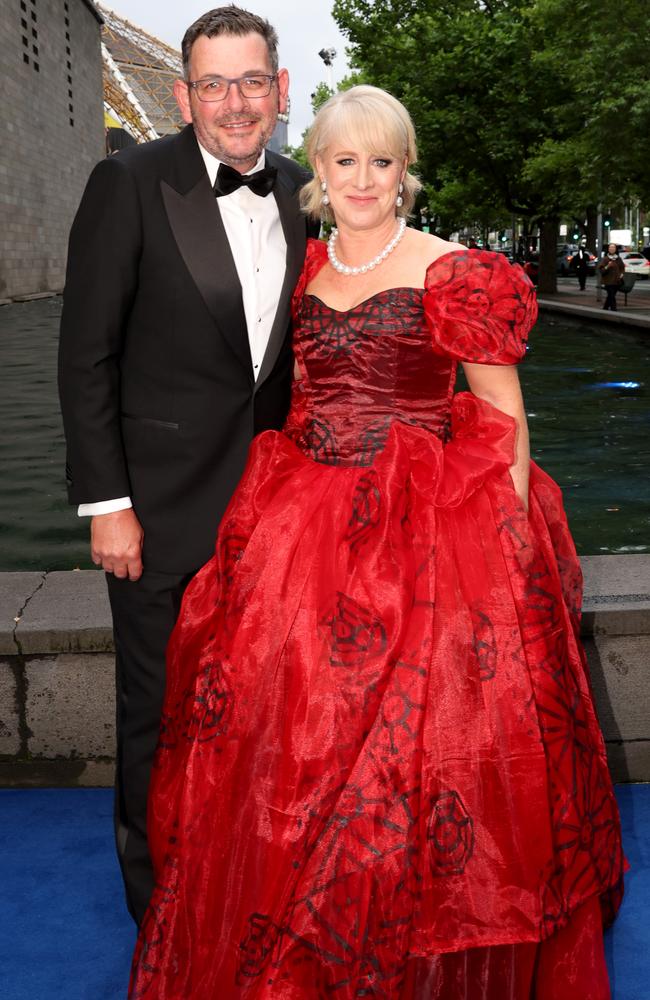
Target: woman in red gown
380,773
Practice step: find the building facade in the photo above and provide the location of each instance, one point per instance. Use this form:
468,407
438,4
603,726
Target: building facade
51,134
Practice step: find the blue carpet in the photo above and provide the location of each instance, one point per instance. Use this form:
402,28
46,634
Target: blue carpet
65,934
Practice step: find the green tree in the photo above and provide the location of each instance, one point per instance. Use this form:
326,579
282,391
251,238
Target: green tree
524,107
318,98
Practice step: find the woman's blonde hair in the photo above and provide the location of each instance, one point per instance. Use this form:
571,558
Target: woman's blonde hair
367,118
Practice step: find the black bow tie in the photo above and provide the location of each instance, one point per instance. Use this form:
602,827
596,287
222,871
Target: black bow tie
229,180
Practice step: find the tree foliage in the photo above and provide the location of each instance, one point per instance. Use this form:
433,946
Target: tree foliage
533,107
318,99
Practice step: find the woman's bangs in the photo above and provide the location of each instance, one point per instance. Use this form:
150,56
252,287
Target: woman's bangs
359,127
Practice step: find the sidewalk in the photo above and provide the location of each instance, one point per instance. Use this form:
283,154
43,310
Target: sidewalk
569,300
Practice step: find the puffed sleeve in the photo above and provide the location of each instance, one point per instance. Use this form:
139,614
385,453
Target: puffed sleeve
315,258
479,307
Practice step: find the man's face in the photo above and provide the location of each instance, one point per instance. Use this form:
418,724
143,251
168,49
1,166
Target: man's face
237,129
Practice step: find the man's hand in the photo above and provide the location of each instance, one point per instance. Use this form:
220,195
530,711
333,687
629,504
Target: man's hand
116,543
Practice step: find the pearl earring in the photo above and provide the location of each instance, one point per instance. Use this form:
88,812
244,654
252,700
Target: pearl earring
399,201
323,187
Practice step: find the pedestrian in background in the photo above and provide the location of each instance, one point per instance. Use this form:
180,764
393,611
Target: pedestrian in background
581,261
611,269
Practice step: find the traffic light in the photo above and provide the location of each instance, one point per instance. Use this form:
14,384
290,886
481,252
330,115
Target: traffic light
607,221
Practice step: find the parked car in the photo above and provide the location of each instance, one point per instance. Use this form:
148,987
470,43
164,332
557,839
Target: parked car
505,253
565,260
635,263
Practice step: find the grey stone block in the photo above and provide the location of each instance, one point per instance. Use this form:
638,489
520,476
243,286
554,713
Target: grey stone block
617,595
9,733
620,670
69,614
629,761
71,706
56,773
15,591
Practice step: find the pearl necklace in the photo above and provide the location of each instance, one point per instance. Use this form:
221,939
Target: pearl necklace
372,264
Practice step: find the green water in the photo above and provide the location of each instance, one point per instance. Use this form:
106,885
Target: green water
593,438
587,390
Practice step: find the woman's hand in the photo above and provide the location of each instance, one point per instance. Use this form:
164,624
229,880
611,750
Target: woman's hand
500,386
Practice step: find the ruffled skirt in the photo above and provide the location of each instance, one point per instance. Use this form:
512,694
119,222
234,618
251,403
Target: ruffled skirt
380,773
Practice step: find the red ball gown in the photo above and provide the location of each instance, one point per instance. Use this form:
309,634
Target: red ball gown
380,773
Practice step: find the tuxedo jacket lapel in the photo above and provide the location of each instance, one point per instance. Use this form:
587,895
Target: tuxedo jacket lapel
199,233
293,226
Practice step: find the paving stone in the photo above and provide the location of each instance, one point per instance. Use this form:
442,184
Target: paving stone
71,706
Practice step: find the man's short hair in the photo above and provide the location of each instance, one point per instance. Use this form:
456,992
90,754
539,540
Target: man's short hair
234,21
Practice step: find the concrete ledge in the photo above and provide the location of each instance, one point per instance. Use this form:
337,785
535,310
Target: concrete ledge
32,296
57,714
617,595
67,613
619,318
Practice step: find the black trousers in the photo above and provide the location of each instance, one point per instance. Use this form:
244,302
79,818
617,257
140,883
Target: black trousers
582,278
144,614
610,301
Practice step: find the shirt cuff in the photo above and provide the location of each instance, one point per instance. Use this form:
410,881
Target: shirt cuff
104,507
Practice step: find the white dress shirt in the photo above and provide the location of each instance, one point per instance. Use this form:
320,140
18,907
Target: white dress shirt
259,251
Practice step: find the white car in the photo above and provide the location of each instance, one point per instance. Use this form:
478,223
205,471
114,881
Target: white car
635,263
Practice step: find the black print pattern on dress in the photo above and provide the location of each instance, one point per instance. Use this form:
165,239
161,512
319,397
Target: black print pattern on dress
450,835
256,947
320,921
484,644
320,442
356,634
371,442
366,509
155,926
230,553
336,333
207,706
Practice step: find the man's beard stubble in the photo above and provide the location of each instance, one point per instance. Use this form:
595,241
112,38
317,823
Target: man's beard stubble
213,146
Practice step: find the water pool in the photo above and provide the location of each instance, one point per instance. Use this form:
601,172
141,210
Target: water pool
586,391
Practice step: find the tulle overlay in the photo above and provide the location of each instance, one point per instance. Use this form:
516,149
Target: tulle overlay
379,771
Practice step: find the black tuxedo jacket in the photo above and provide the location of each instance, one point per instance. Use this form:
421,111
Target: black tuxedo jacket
157,391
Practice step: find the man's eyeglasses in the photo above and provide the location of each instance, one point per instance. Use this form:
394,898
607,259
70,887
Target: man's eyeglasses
215,88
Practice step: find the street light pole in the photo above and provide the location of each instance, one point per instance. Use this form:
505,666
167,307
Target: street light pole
328,56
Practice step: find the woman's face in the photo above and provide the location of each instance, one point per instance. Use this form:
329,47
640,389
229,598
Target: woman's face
362,186
611,248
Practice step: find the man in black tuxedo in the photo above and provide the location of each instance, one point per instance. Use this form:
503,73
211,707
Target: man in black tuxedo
175,351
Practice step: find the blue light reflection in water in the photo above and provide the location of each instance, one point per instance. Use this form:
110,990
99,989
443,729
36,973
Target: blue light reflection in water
616,385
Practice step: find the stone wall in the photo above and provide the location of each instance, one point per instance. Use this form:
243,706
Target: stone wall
51,135
57,679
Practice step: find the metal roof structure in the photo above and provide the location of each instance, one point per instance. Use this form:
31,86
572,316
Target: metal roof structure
139,72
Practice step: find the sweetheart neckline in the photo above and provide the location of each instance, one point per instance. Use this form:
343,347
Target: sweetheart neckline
382,291
398,288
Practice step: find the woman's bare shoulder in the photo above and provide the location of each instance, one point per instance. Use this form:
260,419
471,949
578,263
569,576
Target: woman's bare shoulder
424,249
